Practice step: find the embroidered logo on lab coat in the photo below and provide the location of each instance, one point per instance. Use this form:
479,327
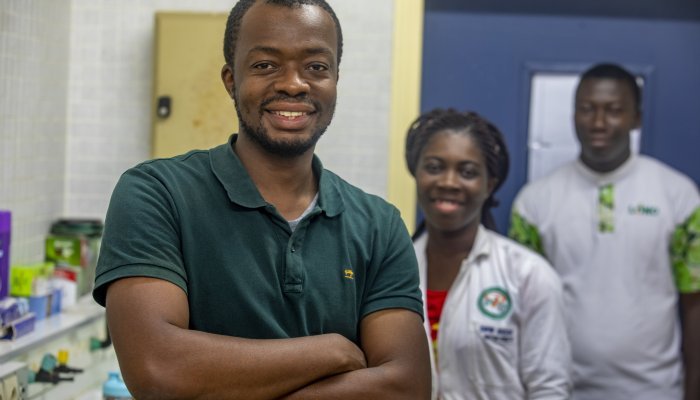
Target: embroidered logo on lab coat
495,302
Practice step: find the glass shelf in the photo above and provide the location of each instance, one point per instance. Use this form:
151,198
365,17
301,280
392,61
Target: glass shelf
84,312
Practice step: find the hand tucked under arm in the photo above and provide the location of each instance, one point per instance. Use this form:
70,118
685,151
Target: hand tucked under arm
396,348
161,358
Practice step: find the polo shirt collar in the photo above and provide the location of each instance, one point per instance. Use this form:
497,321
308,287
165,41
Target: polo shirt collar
330,200
229,170
604,178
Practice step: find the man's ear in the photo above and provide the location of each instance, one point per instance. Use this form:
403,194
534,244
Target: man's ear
227,79
638,122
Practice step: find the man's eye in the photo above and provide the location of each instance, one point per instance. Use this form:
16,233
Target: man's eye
318,67
263,65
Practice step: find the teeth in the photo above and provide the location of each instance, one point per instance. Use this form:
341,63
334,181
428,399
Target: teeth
289,114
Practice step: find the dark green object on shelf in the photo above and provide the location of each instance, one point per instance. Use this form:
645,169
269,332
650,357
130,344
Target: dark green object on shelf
78,227
74,244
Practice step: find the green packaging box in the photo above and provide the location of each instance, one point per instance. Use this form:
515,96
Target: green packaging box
24,279
66,250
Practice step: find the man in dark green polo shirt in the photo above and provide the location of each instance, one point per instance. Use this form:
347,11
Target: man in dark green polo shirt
249,271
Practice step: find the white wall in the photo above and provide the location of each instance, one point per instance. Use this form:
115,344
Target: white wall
356,145
34,46
75,112
110,89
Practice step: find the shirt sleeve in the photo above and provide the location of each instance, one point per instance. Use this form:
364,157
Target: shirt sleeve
141,235
522,229
545,353
685,254
394,278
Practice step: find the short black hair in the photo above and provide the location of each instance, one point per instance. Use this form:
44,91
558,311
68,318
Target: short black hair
486,134
233,23
615,72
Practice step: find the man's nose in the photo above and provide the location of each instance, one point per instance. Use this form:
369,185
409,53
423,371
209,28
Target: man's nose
292,83
599,119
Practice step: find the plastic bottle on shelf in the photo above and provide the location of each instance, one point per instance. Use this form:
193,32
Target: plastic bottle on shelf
115,389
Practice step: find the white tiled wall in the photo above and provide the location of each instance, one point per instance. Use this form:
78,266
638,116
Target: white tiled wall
34,46
356,145
75,93
111,67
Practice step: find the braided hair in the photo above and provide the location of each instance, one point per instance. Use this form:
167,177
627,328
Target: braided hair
482,131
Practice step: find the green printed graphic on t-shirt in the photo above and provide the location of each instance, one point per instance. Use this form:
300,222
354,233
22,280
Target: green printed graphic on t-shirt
606,208
685,254
525,233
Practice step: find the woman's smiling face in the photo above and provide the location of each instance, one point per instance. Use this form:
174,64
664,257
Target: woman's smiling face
452,181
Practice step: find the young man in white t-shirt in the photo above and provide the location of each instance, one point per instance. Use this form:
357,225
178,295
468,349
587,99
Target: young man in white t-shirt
623,232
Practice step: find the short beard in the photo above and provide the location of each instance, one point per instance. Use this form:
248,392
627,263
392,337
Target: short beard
281,148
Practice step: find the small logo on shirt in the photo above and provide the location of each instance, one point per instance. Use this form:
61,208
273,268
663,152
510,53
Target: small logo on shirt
348,274
641,209
495,302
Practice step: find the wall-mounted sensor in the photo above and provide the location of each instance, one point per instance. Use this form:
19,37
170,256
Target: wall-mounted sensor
164,106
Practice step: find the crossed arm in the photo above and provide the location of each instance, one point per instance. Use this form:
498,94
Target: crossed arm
161,358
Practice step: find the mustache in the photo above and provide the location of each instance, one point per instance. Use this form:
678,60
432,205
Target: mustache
302,99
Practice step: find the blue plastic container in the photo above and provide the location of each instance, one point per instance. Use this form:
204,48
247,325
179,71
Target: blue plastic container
114,388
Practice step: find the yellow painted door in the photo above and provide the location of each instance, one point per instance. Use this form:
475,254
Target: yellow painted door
191,107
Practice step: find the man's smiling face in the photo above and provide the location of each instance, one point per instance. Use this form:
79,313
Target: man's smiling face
605,113
285,76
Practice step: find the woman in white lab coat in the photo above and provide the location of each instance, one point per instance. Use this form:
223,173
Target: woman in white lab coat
493,307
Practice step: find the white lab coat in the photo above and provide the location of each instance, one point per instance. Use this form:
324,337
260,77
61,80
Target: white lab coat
502,334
